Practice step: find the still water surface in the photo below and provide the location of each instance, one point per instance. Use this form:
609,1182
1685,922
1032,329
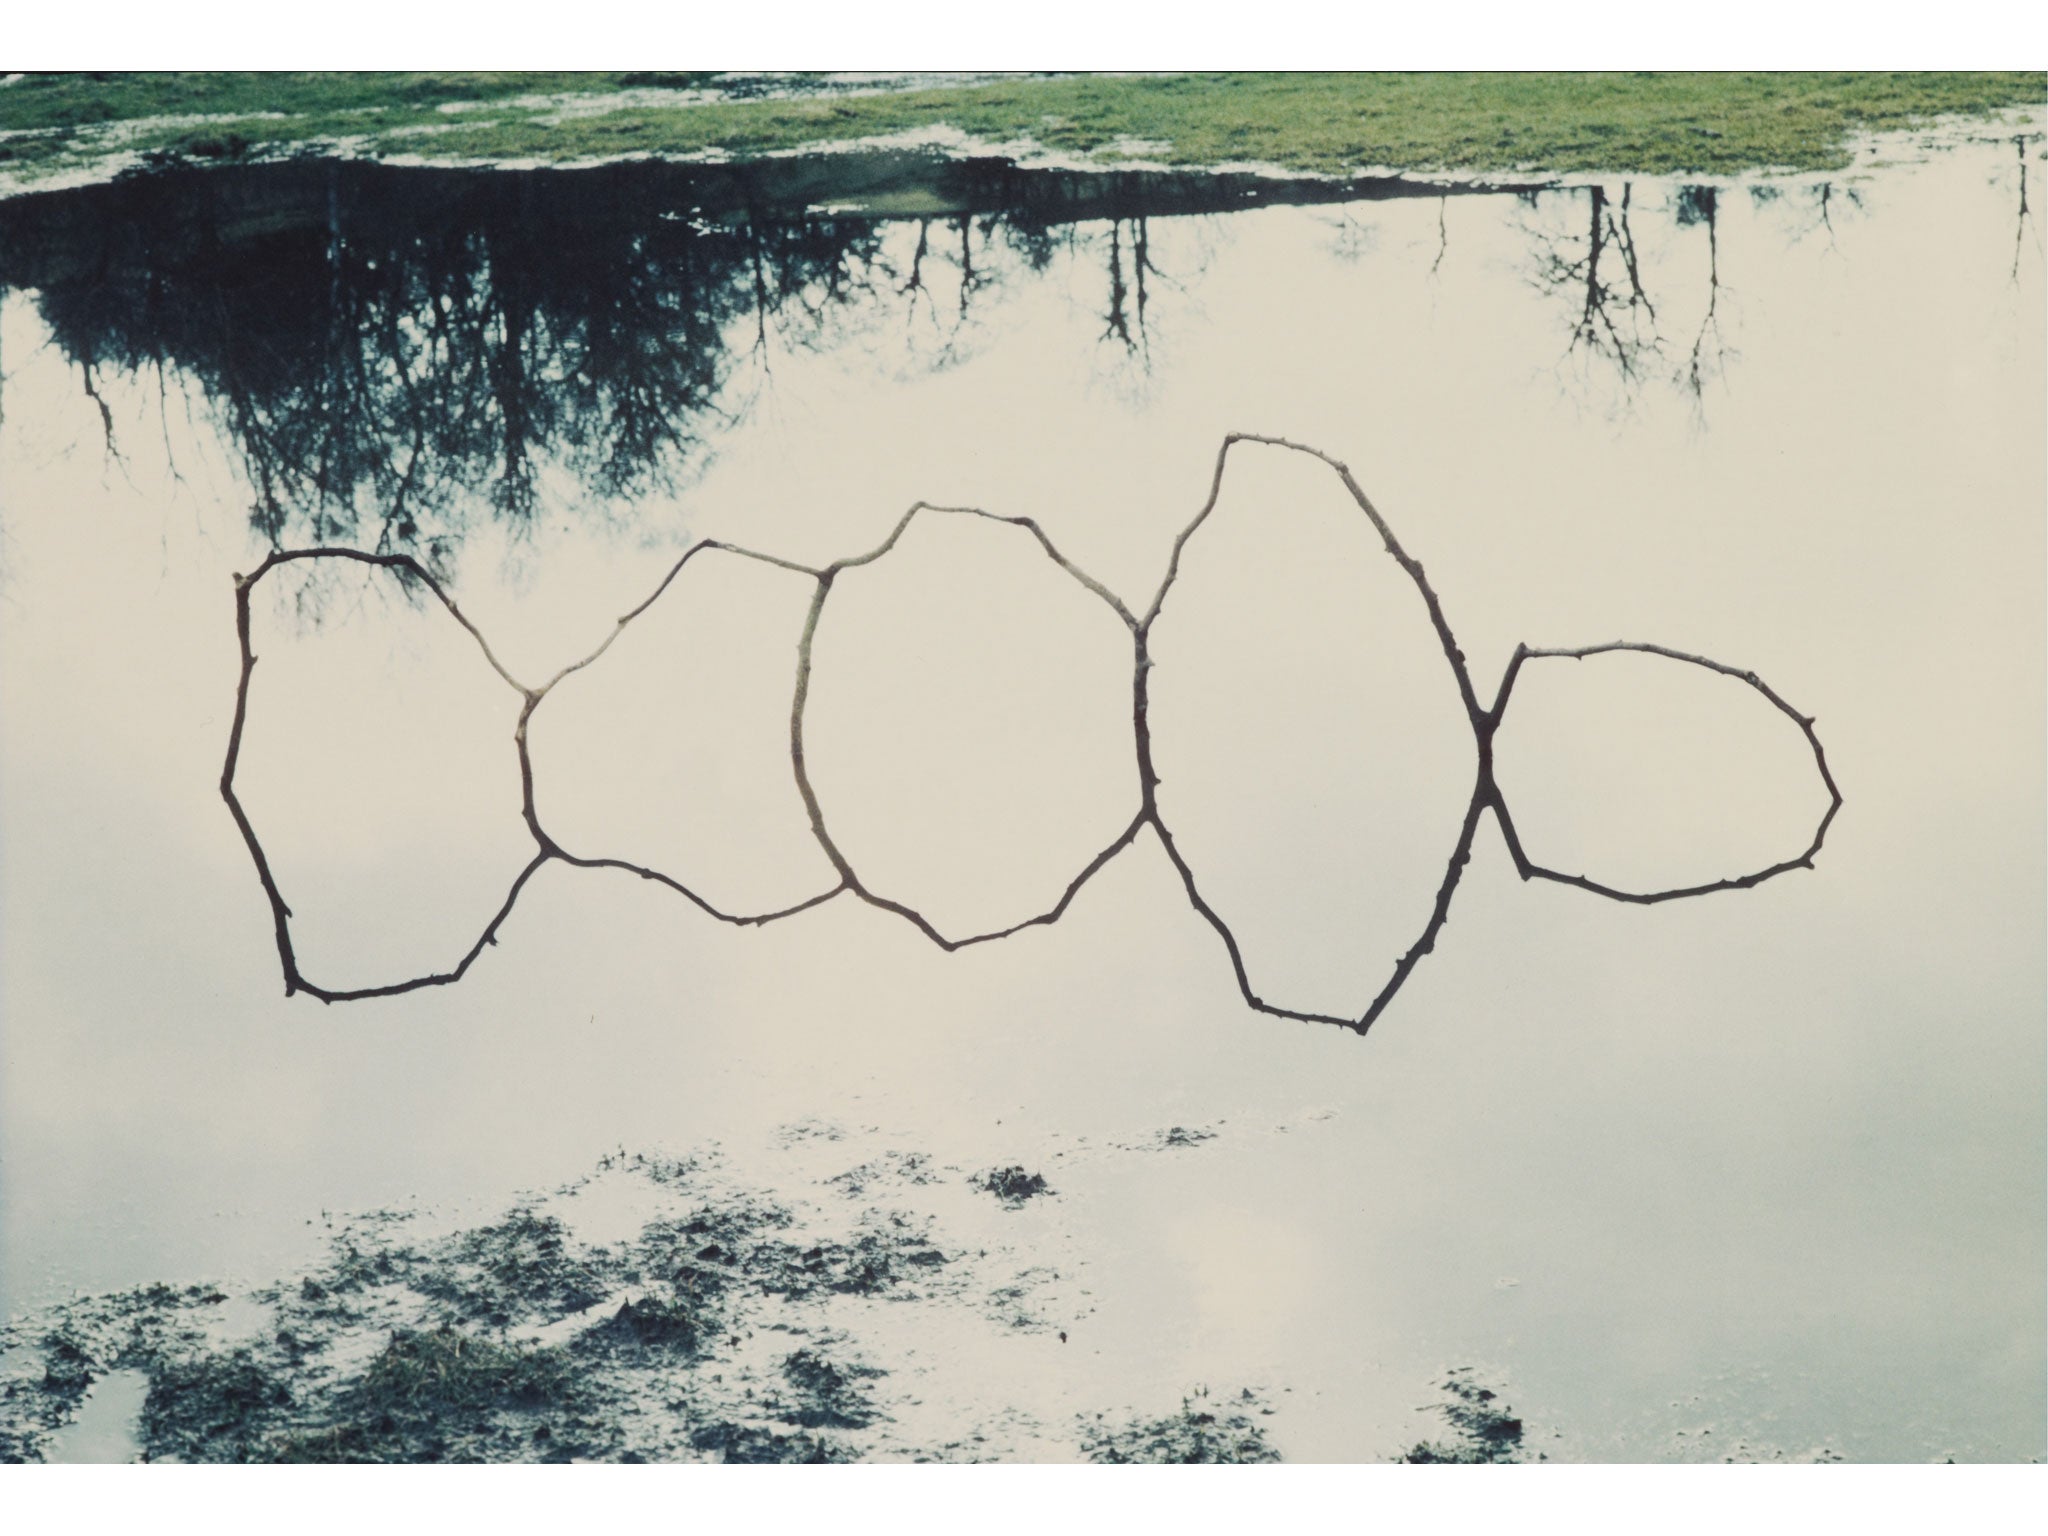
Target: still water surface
1761,1167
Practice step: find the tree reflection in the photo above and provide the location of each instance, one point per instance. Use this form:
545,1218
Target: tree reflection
948,243
1709,355
394,362
2019,238
392,354
1825,198
1614,321
1125,320
1597,269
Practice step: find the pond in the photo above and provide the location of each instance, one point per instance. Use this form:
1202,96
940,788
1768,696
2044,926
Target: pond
915,1006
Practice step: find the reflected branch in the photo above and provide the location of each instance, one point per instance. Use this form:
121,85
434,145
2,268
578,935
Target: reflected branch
2019,239
1484,721
1823,199
1700,205
1608,325
294,981
1123,318
1149,777
913,286
92,393
805,648
1529,870
392,355
1625,238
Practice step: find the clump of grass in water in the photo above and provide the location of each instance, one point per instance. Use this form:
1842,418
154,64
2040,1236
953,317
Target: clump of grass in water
648,1323
750,1444
640,1343
521,1268
133,1329
387,1352
1197,1435
216,1407
67,1367
1012,1185
716,1250
1481,1433
448,1395
829,1394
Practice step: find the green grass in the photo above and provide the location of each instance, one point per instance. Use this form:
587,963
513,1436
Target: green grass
84,100
1555,123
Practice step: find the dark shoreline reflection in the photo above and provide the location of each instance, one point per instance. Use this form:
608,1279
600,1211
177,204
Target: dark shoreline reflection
391,350
393,353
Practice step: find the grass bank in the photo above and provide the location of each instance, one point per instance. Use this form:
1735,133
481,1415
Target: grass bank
1650,124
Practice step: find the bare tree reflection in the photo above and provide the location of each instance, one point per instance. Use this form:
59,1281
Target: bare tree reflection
2019,238
1599,270
1800,211
1125,320
389,363
1709,356
1613,321
972,275
1354,238
392,354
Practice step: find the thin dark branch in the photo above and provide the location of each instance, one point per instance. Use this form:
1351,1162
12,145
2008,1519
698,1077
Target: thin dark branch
92,393
2019,238
281,914
1485,723
1701,203
1149,777
1533,871
294,981
738,920
805,647
1625,238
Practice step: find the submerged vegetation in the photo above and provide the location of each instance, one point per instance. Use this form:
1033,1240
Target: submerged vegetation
1327,124
1201,1434
1012,1185
720,1322
504,1342
730,1325
1483,1430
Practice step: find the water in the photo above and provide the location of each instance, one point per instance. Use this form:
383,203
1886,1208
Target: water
1760,1169
104,1430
